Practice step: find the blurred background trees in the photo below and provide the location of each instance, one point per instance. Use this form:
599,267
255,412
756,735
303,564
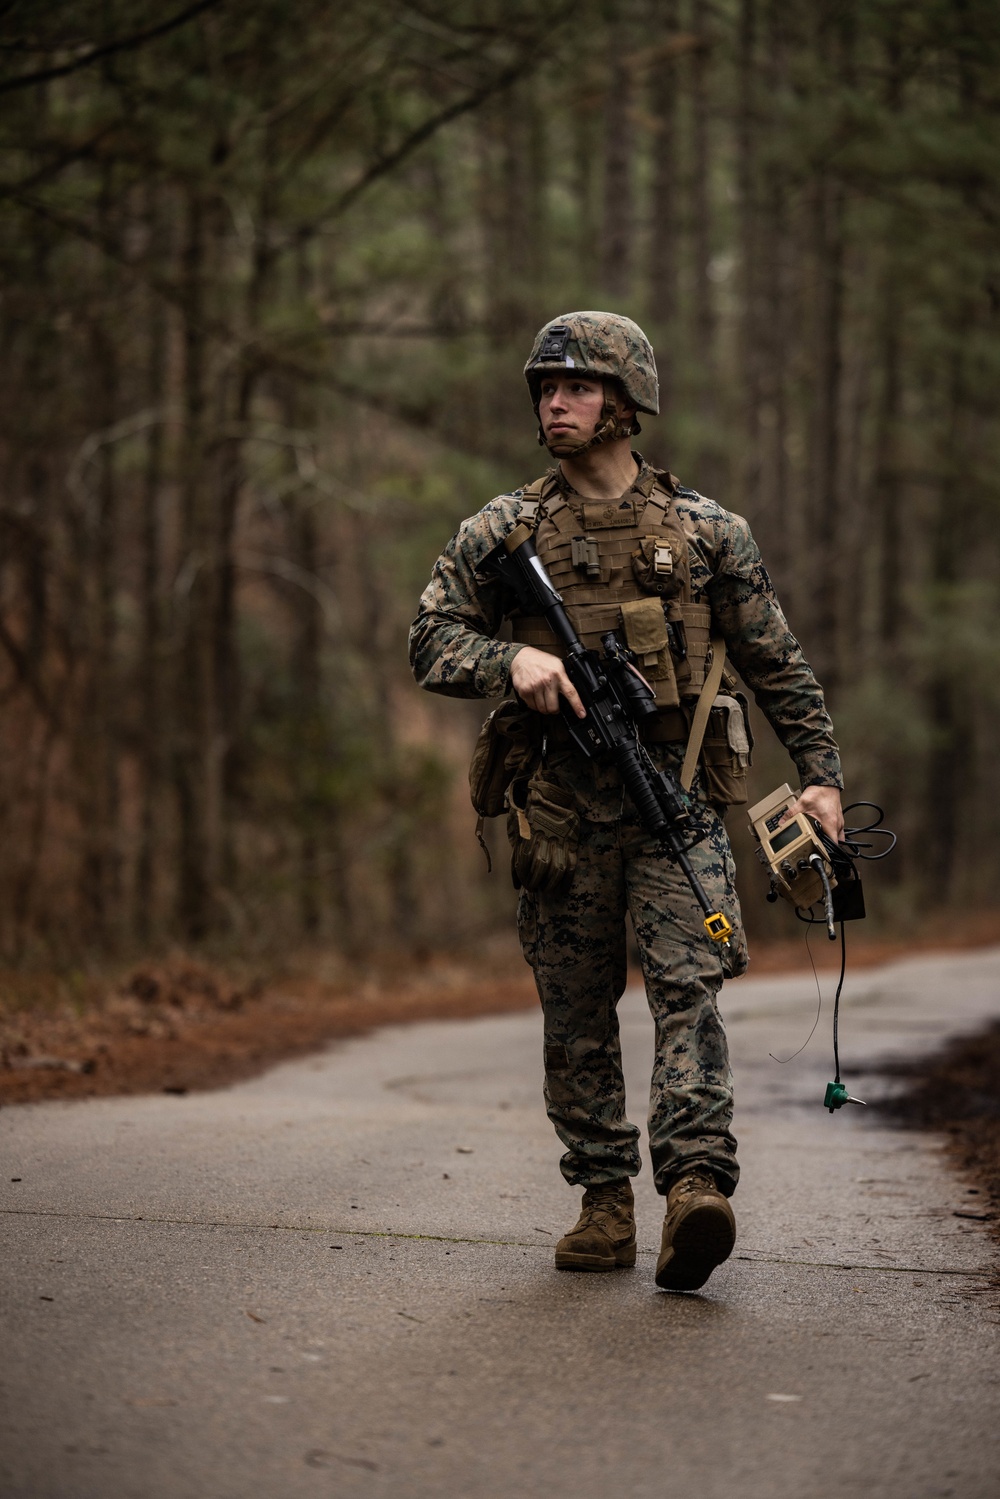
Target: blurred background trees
269,275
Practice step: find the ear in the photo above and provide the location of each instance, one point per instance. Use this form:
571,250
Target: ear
627,414
615,391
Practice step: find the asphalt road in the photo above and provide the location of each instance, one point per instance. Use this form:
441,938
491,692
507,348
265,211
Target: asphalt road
337,1280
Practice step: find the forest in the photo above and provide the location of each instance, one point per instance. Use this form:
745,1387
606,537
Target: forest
269,278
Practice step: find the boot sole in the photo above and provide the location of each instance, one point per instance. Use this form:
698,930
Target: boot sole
701,1242
623,1259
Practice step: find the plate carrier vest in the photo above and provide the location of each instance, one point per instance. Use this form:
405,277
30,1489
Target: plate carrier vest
623,565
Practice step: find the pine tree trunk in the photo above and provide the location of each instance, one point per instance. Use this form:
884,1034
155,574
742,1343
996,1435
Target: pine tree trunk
664,206
828,240
154,730
309,711
195,768
586,154
948,696
782,531
703,298
752,342
617,225
98,746
226,660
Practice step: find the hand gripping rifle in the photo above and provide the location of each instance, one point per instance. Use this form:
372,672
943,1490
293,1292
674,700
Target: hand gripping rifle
617,698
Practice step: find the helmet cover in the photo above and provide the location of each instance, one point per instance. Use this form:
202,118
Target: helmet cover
600,344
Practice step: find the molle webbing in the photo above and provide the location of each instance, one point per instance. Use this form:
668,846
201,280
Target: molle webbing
596,620
670,636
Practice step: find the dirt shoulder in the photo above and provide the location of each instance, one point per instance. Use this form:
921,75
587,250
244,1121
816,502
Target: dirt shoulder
957,1094
181,1024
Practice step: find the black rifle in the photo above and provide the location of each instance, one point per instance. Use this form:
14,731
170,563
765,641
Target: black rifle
617,697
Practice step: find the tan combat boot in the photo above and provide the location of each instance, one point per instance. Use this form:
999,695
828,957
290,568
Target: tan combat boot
699,1232
604,1236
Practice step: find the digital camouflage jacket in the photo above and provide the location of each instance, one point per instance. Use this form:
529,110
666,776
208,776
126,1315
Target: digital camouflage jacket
454,649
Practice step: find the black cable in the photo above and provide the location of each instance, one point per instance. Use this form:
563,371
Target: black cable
842,855
836,1002
849,847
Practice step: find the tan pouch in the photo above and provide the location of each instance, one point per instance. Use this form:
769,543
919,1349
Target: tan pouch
645,627
726,752
653,567
543,826
501,750
504,747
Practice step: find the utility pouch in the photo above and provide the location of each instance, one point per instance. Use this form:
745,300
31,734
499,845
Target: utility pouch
543,826
503,748
653,567
645,626
726,752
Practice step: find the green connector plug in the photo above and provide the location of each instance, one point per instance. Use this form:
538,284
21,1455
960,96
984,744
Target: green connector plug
837,1095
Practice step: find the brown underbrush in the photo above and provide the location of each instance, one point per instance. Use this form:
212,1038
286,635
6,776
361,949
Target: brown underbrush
180,1023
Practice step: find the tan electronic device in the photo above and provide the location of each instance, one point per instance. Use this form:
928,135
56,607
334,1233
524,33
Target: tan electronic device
791,851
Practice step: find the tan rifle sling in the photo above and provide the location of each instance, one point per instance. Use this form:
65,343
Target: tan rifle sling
699,722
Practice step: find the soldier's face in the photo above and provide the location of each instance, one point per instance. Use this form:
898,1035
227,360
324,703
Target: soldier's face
570,408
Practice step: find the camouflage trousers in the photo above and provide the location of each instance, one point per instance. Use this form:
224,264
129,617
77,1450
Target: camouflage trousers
576,944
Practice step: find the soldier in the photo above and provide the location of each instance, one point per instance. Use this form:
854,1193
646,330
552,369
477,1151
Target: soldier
682,582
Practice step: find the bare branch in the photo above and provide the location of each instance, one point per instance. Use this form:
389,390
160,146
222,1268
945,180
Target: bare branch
409,144
124,44
52,169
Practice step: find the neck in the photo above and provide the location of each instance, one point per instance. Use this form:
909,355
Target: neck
602,473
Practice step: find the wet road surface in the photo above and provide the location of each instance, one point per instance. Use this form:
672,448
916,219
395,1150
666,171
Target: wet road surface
337,1280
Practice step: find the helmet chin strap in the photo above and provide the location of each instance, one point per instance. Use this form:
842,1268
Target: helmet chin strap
610,428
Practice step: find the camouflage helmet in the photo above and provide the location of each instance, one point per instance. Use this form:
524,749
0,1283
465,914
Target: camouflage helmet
602,344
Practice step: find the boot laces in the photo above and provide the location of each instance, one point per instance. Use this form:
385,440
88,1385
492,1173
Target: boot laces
604,1198
695,1181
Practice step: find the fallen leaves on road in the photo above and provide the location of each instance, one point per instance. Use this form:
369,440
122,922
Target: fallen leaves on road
183,1024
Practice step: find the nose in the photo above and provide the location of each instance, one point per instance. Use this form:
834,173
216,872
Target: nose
556,401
